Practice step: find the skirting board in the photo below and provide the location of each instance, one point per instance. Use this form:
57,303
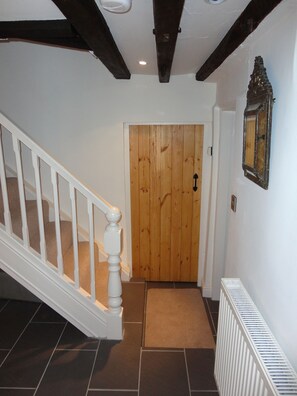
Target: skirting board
206,291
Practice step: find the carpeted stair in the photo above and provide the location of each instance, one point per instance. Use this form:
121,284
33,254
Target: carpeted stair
10,288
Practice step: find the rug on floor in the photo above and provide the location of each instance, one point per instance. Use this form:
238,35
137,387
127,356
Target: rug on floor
176,318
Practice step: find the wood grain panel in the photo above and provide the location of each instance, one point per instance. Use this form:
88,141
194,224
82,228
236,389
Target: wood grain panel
144,198
196,202
155,203
134,196
164,209
166,180
176,209
187,196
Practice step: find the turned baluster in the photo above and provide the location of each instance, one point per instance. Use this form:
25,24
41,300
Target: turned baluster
112,246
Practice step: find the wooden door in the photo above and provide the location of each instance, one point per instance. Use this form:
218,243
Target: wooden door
165,211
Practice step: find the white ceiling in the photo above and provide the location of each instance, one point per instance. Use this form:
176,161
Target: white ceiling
203,27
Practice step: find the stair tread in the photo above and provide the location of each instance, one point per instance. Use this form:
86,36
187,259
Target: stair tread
15,209
13,193
32,218
50,240
101,271
101,268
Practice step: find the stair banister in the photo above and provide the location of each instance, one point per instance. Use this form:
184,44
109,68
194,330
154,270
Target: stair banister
92,253
7,217
98,201
112,233
20,177
112,246
74,235
57,221
35,162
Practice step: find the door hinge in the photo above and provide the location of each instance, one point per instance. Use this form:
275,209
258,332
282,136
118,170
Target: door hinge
209,151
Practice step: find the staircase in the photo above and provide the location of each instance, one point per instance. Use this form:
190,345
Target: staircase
46,249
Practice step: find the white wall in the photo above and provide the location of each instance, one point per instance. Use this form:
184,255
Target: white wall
225,150
69,104
262,234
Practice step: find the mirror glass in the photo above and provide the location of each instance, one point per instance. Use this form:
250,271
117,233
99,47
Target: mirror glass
250,141
257,126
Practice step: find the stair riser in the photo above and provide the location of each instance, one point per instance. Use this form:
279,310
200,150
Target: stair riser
51,242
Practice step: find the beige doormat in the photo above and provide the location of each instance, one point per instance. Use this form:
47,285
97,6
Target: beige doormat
176,318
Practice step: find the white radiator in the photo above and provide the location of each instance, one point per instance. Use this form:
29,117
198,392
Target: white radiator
249,361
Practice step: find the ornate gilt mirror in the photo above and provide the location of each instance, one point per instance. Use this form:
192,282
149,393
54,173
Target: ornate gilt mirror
257,126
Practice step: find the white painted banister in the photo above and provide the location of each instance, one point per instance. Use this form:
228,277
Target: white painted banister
7,217
92,253
19,168
98,201
112,246
35,162
74,235
112,233
57,221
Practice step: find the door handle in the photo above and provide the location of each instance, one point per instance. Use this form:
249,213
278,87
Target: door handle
195,177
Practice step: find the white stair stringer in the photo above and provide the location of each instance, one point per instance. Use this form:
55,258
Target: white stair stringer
26,267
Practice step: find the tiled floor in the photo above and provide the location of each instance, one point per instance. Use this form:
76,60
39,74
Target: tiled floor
212,310
42,354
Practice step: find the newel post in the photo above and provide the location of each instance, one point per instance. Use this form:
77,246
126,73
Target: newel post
112,246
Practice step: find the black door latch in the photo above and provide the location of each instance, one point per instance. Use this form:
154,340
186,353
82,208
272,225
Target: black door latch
195,177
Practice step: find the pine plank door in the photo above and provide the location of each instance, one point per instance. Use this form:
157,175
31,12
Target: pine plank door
165,209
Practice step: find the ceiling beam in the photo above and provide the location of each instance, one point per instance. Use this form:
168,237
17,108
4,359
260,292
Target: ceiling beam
86,18
54,32
245,24
167,16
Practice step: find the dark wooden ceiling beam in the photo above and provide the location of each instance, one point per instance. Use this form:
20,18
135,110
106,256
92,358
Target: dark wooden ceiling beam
167,16
55,32
246,23
86,18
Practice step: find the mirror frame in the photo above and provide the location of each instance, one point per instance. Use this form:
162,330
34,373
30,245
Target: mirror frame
257,126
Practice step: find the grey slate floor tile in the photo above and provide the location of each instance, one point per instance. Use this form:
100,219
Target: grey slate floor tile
28,359
113,393
117,363
68,373
3,354
72,338
47,314
3,303
14,318
110,368
133,301
185,285
17,392
200,364
213,305
163,373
